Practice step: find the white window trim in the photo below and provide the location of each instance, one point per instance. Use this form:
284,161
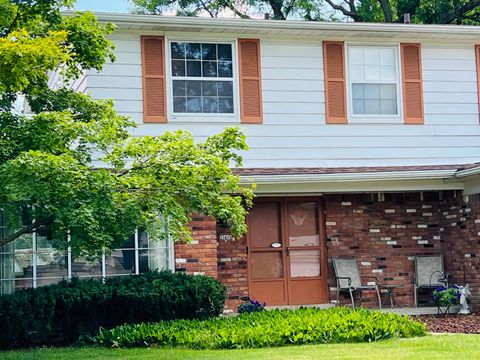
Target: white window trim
203,117
373,118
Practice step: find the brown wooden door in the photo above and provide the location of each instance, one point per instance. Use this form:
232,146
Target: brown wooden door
286,251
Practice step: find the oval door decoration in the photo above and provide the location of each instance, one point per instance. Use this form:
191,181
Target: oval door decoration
276,245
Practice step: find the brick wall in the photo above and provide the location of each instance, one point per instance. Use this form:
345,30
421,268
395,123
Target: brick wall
232,267
382,231
200,256
462,244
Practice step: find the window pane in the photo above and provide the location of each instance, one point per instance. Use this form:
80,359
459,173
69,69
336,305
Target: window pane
371,73
374,99
193,51
209,68
359,107
194,88
121,262
209,88
209,52
153,259
388,106
194,104
225,69
225,52
304,263
179,88
372,107
178,68
371,56
355,54
178,50
194,68
266,265
83,268
387,56
179,104
225,88
387,73
225,105
210,105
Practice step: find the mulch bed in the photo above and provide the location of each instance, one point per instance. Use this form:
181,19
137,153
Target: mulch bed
461,324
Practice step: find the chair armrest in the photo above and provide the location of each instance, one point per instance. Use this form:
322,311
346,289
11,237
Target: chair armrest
344,278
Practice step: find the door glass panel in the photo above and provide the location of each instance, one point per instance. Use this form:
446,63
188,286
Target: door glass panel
304,263
264,225
266,265
303,224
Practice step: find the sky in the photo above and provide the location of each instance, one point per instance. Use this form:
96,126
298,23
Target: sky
103,5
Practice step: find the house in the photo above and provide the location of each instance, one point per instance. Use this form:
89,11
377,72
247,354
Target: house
365,143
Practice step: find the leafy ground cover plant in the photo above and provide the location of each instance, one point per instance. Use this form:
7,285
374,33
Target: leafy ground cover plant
266,329
60,314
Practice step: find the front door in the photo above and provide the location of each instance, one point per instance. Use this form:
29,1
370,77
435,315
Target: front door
286,252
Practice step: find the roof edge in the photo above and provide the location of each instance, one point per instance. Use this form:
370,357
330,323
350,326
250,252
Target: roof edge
251,24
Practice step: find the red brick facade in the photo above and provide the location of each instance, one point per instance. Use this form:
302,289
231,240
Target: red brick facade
200,256
384,232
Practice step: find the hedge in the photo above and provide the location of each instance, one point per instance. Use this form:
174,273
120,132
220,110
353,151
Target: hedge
61,313
266,329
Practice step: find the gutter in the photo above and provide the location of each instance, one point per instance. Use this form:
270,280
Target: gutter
351,177
260,24
468,172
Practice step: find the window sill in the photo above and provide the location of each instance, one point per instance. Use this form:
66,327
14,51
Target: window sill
375,120
204,119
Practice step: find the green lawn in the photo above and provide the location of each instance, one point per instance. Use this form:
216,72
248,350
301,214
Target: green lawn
429,347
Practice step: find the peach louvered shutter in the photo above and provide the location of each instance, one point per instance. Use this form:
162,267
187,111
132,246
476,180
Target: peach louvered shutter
477,55
412,83
250,81
153,73
334,72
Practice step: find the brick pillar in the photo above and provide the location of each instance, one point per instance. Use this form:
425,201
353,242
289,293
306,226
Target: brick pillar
200,256
232,268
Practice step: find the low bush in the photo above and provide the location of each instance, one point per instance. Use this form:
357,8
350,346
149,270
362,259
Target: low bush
266,329
59,314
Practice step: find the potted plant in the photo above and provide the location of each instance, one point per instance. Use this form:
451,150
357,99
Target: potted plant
445,297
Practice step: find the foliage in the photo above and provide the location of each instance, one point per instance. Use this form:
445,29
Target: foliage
250,306
71,167
63,312
266,329
446,297
421,11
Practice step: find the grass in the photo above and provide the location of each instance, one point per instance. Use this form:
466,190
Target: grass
428,347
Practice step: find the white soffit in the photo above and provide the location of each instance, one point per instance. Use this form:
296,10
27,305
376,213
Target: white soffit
288,27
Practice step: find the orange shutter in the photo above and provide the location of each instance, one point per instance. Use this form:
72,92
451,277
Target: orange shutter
334,70
412,83
250,81
477,55
153,74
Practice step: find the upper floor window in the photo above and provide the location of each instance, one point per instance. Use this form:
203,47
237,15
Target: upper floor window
202,77
373,80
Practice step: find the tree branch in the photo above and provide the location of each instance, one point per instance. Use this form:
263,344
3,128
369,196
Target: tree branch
27,229
276,6
232,7
353,14
387,10
459,12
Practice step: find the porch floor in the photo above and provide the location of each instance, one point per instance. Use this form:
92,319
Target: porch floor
426,310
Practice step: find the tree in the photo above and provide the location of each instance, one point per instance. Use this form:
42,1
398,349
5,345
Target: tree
421,11
71,167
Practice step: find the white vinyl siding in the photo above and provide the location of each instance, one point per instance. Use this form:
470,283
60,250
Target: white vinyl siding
294,133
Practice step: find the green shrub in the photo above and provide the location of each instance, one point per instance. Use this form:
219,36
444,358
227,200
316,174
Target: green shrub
59,314
266,329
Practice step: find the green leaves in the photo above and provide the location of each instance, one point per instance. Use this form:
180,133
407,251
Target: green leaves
35,317
266,329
